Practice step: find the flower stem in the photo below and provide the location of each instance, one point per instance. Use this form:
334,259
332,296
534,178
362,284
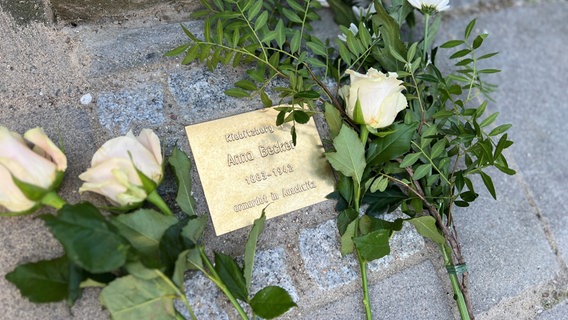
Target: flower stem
53,200
217,280
156,200
366,300
426,24
458,295
362,262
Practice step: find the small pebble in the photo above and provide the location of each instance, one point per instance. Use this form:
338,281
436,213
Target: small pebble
86,99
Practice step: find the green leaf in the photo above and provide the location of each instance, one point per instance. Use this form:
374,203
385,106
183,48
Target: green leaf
237,93
350,156
410,159
43,281
144,229
488,71
390,32
426,226
181,266
291,15
308,94
271,302
380,184
296,42
280,34
391,146
460,53
261,20
488,184
194,229
479,40
250,248
255,9
300,116
344,218
131,298
489,55
333,119
231,275
317,48
88,239
489,120
382,202
452,43
368,224
245,84
500,129
421,171
182,167
347,244
178,50
172,244
438,148
265,99
373,245
469,28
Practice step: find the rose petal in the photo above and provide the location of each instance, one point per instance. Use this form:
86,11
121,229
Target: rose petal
128,148
11,197
151,141
23,163
38,137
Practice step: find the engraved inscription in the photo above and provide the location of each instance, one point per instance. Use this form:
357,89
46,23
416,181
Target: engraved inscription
264,175
290,191
247,133
239,158
259,200
246,163
269,150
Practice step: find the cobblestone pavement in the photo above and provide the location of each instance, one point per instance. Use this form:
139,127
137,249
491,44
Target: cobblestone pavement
93,81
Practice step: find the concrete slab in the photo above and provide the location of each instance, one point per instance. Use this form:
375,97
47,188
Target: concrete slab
389,298
499,270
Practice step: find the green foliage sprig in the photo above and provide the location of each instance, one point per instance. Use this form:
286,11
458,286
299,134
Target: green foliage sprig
423,163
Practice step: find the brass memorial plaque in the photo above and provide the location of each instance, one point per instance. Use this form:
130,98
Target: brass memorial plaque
245,163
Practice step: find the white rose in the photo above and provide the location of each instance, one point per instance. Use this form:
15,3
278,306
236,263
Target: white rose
41,166
113,168
379,96
430,6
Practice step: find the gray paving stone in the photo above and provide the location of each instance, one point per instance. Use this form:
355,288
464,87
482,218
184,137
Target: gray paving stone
415,293
120,111
202,295
118,49
323,261
404,244
200,94
270,270
504,242
538,109
320,249
558,312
